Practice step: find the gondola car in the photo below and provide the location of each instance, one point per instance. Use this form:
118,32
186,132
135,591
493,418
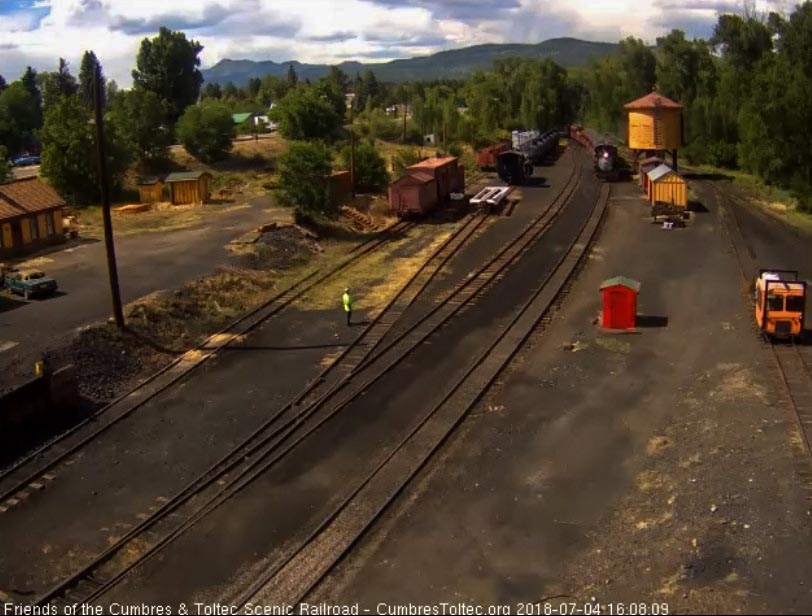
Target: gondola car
513,167
780,303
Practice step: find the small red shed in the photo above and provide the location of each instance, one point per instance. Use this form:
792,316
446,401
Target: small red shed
619,303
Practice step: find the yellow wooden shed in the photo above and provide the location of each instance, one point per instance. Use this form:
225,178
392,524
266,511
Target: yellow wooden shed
667,186
150,190
189,187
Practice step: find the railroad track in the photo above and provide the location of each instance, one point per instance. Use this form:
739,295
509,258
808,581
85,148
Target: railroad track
88,579
291,581
275,439
18,482
793,366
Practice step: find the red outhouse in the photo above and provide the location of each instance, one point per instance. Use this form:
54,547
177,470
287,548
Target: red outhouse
619,303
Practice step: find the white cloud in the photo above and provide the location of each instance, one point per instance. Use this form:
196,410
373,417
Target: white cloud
321,30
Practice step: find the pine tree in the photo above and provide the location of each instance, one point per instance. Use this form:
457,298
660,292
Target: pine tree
29,82
90,65
293,78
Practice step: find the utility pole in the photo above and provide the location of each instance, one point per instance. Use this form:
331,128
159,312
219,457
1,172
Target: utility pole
352,154
104,187
405,111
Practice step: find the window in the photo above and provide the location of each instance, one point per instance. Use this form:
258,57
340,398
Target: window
33,228
775,303
795,303
49,224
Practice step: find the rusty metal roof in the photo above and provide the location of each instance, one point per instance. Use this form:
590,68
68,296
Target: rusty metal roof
415,178
185,176
433,163
652,100
27,196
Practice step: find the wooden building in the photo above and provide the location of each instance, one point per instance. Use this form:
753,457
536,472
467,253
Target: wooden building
340,187
150,190
30,216
189,187
668,187
656,125
644,166
446,171
414,193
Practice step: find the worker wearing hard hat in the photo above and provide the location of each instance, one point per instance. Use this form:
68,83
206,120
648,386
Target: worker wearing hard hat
347,301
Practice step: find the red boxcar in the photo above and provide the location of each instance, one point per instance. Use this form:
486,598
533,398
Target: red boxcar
444,170
414,193
486,157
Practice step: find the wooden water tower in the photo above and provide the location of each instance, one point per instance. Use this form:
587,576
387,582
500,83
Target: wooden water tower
655,126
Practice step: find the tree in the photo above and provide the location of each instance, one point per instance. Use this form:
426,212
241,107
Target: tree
69,153
254,84
405,159
110,92
89,67
292,78
168,66
303,179
304,114
144,124
338,78
29,82
370,167
206,131
231,91
5,172
3,84
57,84
211,90
370,90
19,116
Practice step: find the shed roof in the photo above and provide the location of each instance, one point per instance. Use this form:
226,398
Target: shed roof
185,176
27,196
414,178
148,181
652,159
621,281
433,163
651,100
660,172
239,118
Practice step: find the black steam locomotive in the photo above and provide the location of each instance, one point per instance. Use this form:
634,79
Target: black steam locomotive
608,163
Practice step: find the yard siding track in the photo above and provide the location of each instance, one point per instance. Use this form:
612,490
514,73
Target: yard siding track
258,464
19,481
349,358
301,573
792,362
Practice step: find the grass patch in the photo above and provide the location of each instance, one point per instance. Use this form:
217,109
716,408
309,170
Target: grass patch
375,279
614,345
775,200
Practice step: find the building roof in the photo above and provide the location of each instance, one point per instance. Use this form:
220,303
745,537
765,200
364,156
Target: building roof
414,178
185,176
339,173
652,159
239,118
660,172
148,181
433,163
651,100
27,196
621,281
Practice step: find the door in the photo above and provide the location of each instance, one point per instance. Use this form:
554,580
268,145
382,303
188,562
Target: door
618,309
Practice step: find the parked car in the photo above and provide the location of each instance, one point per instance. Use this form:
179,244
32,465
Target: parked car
24,161
30,283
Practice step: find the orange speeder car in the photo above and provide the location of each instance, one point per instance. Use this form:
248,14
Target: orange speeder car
780,300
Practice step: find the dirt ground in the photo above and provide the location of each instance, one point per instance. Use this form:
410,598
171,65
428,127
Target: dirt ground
656,467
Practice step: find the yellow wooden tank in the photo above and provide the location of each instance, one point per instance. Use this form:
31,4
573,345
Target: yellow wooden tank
655,123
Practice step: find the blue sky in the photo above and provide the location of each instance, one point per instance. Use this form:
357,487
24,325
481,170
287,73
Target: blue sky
38,32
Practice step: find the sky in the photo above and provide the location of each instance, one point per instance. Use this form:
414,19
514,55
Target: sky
38,32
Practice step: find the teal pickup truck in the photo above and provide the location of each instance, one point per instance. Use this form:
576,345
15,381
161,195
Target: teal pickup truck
30,283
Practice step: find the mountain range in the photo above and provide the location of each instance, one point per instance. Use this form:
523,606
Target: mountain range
451,64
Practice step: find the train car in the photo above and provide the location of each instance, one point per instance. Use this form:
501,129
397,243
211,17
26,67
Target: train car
486,157
606,162
513,167
780,303
490,198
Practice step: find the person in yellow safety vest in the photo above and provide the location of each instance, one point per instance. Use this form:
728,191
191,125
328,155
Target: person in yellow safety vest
347,300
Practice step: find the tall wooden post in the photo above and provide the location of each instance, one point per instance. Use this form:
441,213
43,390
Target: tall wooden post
104,188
